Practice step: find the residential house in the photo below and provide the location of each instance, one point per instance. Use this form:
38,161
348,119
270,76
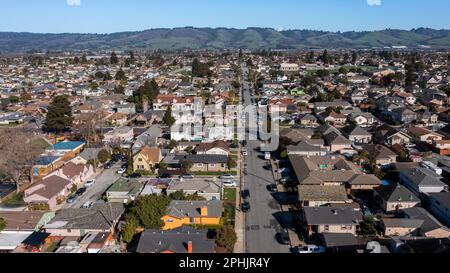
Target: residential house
334,118
46,164
338,143
322,106
421,180
208,189
77,222
150,117
431,227
118,119
403,115
424,135
440,206
218,147
380,154
180,213
308,121
205,162
363,119
124,191
394,227
390,136
147,159
357,134
305,148
50,191
78,174
88,155
180,240
331,220
119,135
394,197
317,195
67,149
127,108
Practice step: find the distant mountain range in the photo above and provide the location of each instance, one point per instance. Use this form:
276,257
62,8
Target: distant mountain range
224,38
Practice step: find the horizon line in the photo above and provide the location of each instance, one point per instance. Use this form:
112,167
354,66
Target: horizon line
215,28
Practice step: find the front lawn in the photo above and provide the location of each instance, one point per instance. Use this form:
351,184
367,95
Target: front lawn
229,205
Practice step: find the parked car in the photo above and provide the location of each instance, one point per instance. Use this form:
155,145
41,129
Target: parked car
87,205
135,175
283,237
81,191
122,171
188,176
272,188
245,207
165,175
229,184
72,199
309,249
226,177
109,165
89,183
245,194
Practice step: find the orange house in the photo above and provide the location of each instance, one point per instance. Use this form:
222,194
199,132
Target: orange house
182,213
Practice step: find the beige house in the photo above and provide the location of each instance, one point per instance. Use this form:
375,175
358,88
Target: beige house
331,220
146,159
395,197
424,135
401,226
316,195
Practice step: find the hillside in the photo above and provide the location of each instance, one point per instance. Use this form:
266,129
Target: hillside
223,38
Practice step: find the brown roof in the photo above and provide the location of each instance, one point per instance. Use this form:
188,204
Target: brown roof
71,169
204,147
379,151
53,185
20,220
151,154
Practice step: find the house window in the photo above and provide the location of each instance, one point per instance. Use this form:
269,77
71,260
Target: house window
199,165
327,228
170,220
140,159
192,220
212,165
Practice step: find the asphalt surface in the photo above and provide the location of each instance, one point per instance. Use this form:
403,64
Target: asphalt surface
262,222
102,183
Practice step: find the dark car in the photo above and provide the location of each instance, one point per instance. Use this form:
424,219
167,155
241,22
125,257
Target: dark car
124,165
135,175
165,175
272,188
109,165
72,199
81,191
283,237
245,194
245,207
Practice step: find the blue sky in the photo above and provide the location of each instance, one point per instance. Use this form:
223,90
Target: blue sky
106,16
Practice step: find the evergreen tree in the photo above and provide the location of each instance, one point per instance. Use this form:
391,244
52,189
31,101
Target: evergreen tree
121,76
114,59
59,115
168,119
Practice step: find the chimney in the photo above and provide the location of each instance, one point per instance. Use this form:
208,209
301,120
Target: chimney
204,211
189,247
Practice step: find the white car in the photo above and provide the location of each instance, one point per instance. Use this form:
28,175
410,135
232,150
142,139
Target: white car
229,184
227,177
87,205
90,183
121,171
310,249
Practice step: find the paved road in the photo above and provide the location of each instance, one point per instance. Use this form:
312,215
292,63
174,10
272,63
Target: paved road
102,183
263,221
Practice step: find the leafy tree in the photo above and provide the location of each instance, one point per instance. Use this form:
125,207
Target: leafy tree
76,60
131,225
354,57
326,59
114,59
121,76
103,156
200,69
146,212
168,118
14,99
150,90
231,163
323,73
119,89
186,164
2,224
226,237
368,226
59,115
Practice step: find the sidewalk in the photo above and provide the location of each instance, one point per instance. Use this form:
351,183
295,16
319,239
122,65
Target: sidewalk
239,225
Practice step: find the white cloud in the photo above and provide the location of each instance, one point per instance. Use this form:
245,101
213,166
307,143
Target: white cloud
73,2
374,2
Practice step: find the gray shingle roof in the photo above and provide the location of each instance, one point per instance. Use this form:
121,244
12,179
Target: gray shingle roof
331,216
395,193
157,241
182,209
